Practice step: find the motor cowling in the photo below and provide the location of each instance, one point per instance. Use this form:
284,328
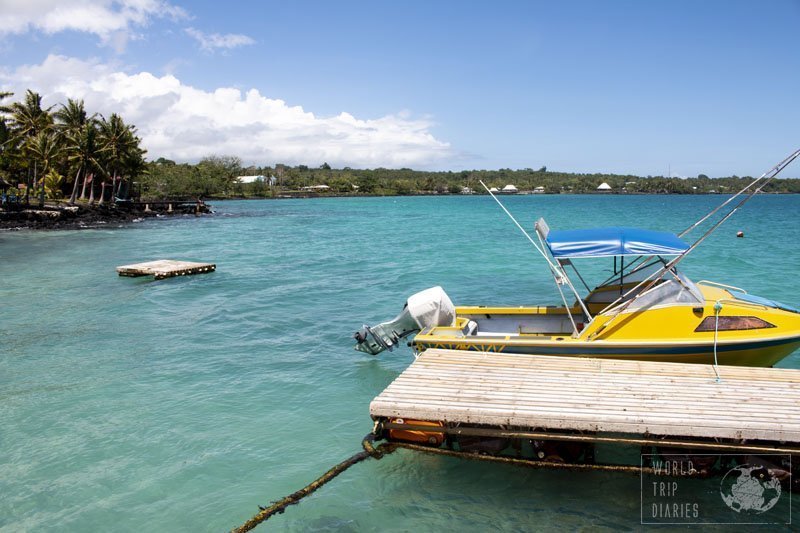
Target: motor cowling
429,308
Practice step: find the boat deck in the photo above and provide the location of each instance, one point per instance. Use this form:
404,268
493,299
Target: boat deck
165,268
593,395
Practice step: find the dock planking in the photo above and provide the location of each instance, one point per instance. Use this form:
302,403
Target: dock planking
596,395
165,268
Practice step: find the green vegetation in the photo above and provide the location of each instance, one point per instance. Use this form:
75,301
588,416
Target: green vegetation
66,153
212,177
215,177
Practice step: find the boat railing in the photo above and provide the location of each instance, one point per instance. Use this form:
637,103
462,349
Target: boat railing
743,303
722,285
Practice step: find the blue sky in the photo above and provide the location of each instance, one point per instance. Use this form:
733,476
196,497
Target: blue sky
648,88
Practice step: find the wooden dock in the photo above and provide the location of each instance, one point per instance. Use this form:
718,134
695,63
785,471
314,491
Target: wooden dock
648,401
165,268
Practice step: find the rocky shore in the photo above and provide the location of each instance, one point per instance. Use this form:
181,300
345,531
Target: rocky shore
85,217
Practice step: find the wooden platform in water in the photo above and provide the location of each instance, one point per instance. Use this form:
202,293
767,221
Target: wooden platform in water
165,268
596,395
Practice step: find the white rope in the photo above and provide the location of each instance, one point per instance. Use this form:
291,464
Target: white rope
717,309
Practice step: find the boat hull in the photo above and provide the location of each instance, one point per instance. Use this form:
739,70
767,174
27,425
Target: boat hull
763,353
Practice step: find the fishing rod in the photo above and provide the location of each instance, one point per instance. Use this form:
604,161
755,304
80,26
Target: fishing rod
559,276
514,220
766,176
653,278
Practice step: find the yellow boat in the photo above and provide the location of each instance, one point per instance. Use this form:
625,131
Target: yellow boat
646,310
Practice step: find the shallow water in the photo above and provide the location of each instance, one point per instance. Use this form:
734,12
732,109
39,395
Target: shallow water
130,405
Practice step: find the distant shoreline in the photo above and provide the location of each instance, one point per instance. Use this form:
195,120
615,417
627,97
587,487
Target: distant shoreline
65,217
291,195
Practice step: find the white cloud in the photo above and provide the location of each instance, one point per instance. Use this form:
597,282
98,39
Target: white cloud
111,20
184,123
214,41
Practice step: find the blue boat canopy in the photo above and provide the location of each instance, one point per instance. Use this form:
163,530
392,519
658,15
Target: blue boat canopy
607,242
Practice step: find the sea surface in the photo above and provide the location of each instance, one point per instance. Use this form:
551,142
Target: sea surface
135,405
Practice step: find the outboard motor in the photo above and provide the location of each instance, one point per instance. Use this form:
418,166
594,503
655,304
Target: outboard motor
429,308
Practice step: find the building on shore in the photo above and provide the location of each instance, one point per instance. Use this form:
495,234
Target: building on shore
315,188
272,180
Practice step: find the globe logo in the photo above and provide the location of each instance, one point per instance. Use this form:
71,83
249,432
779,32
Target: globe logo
750,489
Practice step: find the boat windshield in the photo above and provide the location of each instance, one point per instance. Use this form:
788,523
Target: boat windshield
672,288
677,291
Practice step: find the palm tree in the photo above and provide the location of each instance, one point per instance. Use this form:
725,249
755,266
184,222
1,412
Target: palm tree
52,183
3,126
4,136
120,146
80,135
26,120
71,116
45,148
134,165
83,149
68,142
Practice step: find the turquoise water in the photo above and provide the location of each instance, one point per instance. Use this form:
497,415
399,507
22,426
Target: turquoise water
134,405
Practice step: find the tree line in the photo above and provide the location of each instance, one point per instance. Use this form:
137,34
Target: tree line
217,177
63,152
